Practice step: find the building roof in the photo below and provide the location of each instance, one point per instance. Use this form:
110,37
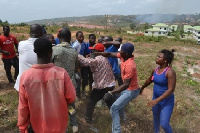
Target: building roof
153,30
196,28
160,25
187,27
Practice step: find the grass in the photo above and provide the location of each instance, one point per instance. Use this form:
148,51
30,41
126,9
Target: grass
185,117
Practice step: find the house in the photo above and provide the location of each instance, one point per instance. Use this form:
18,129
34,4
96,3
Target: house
187,28
159,29
196,33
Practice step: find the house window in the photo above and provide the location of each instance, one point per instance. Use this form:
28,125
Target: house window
198,32
159,32
165,28
198,37
160,28
146,31
163,32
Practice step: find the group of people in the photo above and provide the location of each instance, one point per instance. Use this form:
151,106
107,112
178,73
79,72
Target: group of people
49,74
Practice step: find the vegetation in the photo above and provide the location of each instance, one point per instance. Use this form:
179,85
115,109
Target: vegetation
186,112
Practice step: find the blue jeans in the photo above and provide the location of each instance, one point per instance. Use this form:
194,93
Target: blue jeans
125,98
162,114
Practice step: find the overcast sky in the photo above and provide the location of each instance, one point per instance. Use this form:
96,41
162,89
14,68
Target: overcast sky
16,11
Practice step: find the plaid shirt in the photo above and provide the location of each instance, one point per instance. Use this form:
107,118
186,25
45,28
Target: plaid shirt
102,71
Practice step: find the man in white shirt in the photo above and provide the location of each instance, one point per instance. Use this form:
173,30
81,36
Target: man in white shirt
27,57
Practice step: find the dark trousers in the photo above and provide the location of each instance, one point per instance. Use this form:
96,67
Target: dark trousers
86,76
7,66
95,96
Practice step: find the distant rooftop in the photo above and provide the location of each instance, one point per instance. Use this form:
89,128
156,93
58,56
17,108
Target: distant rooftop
153,30
187,27
196,28
160,25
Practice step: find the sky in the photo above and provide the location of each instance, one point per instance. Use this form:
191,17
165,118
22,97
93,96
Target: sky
16,11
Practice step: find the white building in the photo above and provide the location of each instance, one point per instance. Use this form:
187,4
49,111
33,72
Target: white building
159,29
188,28
196,33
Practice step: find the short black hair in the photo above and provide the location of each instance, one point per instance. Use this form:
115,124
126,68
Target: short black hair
168,55
42,46
78,32
90,35
119,39
109,38
6,26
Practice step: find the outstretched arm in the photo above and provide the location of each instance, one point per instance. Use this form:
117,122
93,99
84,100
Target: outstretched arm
107,54
147,83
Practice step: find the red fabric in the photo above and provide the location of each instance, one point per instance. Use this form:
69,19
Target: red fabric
99,47
129,71
7,44
45,90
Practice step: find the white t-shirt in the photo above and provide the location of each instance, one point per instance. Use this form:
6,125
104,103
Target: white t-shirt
27,57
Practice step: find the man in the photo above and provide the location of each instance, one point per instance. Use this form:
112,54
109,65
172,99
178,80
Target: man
80,46
87,73
129,89
66,57
113,47
27,57
103,80
44,93
9,57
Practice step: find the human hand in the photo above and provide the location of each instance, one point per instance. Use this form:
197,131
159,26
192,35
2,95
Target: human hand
6,53
108,96
152,103
141,91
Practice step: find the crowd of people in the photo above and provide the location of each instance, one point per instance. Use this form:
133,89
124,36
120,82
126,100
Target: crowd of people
50,74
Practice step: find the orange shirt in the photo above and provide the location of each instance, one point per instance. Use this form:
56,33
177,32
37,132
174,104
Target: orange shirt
7,44
129,71
44,92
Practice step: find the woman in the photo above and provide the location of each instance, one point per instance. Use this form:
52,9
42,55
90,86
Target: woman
164,78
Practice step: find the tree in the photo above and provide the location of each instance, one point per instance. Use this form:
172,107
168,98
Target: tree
133,25
146,26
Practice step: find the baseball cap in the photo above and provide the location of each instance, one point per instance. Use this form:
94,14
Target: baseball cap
98,47
128,48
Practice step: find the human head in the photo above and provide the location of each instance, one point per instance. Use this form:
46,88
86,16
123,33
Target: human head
59,32
92,39
118,39
44,30
127,50
51,38
43,48
79,36
6,30
107,39
36,31
100,40
65,35
98,47
168,56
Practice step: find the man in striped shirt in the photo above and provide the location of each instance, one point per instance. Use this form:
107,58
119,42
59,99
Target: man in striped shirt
104,79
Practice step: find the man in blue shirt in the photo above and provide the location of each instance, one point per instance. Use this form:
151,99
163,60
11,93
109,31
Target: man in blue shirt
113,47
80,46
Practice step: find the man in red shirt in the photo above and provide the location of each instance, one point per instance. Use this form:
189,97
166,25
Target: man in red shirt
9,57
45,92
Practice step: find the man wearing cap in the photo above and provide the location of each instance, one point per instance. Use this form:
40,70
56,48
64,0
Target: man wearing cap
129,89
104,79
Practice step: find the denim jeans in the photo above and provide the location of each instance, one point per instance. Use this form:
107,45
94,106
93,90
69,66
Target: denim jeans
7,66
124,99
72,117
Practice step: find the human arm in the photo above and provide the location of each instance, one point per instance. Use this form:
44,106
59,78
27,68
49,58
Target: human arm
107,54
23,109
4,52
171,78
16,44
124,86
114,43
87,61
147,82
